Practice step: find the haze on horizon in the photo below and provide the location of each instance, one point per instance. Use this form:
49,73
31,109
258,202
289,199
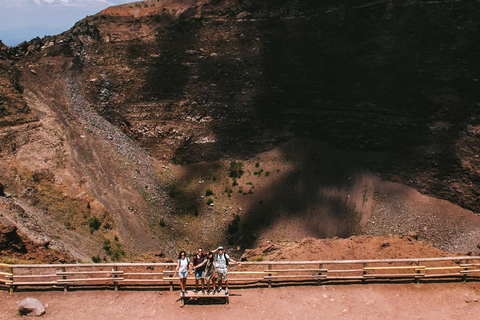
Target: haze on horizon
23,20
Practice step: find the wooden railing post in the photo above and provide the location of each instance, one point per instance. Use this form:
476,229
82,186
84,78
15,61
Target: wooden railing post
464,278
114,275
320,266
364,273
12,287
417,278
269,280
171,282
64,277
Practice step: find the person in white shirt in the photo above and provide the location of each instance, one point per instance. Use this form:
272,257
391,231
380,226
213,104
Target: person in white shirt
183,265
222,267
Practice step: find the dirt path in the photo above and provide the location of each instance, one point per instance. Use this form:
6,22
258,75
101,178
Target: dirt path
371,301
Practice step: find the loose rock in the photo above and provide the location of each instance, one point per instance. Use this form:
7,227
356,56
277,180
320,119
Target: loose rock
31,307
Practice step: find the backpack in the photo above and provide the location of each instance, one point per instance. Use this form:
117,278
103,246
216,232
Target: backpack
225,255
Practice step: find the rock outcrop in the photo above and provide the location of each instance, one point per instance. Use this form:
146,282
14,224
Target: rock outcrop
393,84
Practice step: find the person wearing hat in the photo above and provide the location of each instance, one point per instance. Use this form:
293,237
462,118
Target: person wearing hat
222,259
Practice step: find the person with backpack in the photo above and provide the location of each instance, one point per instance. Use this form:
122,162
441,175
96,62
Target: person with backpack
182,269
199,268
222,267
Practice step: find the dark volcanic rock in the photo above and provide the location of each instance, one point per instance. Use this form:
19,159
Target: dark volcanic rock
238,77
396,83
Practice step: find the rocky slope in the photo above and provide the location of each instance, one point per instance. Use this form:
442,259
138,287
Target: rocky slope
131,106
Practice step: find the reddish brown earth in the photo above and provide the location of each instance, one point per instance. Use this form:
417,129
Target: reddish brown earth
436,301
440,301
17,247
353,248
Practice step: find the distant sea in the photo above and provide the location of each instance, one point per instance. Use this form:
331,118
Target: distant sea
14,37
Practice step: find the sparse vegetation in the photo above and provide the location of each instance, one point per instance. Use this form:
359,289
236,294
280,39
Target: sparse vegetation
228,191
236,170
257,258
258,173
94,224
114,249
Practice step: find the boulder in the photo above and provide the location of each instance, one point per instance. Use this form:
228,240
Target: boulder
31,307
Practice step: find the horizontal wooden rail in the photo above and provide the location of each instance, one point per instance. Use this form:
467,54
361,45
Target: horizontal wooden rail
66,276
392,268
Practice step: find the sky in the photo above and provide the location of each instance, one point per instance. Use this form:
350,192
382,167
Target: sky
23,20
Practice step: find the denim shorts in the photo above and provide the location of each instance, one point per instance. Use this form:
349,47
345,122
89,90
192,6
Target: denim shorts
182,274
199,274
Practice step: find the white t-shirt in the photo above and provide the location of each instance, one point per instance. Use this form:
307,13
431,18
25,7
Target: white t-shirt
183,264
222,261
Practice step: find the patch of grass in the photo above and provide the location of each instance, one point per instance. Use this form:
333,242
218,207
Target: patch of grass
257,258
114,249
236,169
228,191
258,173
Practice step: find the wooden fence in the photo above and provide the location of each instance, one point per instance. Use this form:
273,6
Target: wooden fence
260,273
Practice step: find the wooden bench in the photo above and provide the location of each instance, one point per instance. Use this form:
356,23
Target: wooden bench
190,295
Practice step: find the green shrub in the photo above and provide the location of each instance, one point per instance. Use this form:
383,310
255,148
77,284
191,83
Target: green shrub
208,193
236,169
96,259
94,223
209,201
258,173
114,249
162,223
